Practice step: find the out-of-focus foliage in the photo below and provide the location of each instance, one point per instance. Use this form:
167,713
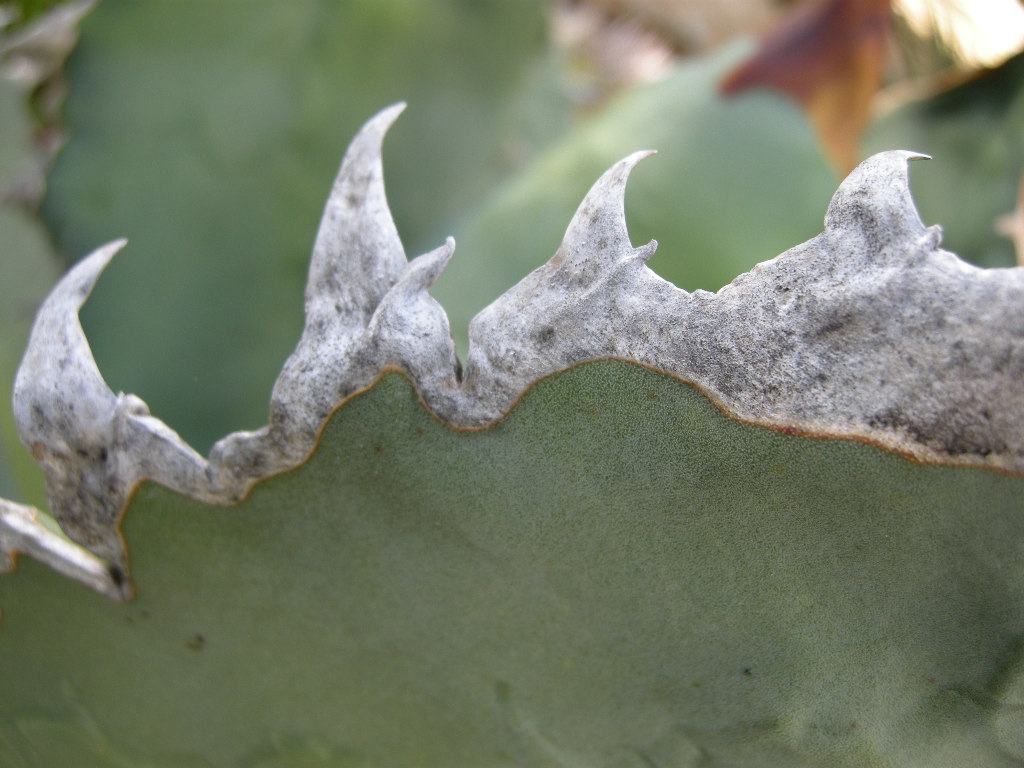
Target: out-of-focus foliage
830,58
28,269
24,11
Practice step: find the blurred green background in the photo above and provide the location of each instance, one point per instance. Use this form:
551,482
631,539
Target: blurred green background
209,134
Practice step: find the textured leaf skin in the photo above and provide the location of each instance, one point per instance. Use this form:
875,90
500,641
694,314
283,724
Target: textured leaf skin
679,589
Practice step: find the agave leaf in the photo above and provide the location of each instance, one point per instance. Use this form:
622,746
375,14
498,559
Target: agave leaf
616,566
557,558
850,334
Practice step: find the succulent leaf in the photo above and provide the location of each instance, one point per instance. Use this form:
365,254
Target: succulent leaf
625,535
558,558
849,334
676,588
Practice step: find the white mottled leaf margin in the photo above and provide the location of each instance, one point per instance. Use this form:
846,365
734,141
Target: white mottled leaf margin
868,331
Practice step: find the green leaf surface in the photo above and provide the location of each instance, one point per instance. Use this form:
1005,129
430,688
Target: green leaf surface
209,133
976,134
614,575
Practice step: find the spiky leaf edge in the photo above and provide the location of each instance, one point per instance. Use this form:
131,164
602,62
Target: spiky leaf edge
848,335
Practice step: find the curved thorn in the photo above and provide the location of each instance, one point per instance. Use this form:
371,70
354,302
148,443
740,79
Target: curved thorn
419,275
643,253
410,328
60,396
357,255
875,199
425,268
357,258
599,224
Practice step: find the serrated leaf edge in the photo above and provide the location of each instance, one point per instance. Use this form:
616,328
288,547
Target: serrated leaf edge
869,331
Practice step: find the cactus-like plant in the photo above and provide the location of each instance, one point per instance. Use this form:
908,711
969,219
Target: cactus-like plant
780,524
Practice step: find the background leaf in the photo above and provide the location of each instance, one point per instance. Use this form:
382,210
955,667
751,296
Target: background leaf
28,269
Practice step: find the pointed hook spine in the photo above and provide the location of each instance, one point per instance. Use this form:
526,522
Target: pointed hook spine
358,254
876,198
58,373
601,216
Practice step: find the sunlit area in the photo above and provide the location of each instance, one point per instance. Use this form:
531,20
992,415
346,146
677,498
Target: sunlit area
978,33
623,41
